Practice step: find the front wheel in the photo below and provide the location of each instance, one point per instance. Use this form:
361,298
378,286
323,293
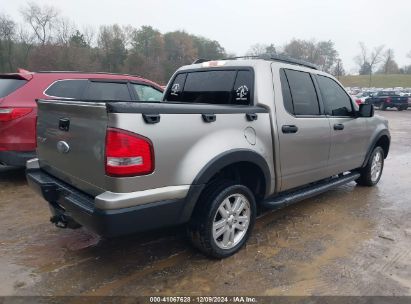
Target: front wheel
371,173
222,223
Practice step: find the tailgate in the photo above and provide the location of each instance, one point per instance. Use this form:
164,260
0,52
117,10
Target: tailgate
71,141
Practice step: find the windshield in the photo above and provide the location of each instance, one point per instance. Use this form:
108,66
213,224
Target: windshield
8,86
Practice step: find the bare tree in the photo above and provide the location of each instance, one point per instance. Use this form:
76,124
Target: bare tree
363,56
257,49
321,53
128,31
7,37
26,41
65,29
89,33
375,58
338,69
41,19
367,61
112,47
7,27
389,65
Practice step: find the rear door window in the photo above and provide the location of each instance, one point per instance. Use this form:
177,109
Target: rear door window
70,88
116,91
336,101
288,101
213,87
147,93
303,94
9,85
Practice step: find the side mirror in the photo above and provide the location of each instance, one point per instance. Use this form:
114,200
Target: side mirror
366,110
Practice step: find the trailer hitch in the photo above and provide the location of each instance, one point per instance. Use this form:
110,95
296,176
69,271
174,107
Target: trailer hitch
63,221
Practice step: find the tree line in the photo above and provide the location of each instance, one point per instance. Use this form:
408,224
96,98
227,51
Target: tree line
48,41
369,61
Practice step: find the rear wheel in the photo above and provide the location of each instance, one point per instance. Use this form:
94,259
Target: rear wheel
222,223
383,107
371,173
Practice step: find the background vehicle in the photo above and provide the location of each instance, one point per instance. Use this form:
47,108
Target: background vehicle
388,99
406,93
362,97
224,142
19,91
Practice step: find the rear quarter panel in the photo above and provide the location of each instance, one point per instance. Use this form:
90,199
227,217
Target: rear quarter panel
184,144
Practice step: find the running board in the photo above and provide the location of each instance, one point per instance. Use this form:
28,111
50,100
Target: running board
283,200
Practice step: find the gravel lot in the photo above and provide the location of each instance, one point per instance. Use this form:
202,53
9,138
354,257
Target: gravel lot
349,241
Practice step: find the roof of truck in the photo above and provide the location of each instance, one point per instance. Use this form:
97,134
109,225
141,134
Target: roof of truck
267,57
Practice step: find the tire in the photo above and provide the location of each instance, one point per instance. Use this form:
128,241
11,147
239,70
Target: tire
383,107
369,177
400,108
211,240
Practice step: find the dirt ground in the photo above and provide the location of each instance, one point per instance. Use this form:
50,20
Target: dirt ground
349,241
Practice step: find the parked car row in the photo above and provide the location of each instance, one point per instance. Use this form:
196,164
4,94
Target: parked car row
388,99
354,91
382,99
19,91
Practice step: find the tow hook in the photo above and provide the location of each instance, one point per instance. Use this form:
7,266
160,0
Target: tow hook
64,221
59,220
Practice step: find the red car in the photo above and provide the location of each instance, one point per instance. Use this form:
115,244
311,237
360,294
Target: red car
18,92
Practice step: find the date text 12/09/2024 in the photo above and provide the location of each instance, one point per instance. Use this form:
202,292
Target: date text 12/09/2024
206,299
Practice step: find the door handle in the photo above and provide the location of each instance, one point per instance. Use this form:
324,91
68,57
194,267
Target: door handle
64,124
251,116
209,117
287,129
338,127
151,118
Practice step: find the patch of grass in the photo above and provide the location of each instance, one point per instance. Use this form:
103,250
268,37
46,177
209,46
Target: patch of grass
379,81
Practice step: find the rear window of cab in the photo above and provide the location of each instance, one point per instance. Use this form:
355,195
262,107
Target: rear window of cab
225,87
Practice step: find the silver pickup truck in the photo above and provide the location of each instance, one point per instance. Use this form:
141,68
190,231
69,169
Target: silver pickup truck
229,138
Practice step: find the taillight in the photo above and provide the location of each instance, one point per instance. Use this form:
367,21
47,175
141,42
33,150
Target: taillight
7,114
358,101
128,154
388,99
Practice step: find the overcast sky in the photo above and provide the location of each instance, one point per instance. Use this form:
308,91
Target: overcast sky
238,24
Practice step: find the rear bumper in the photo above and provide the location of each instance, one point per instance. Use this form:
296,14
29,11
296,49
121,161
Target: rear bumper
66,200
16,158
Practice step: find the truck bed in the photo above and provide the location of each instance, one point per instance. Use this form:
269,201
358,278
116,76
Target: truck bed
180,134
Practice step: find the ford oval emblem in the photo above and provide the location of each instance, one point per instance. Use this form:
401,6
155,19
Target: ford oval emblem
63,147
